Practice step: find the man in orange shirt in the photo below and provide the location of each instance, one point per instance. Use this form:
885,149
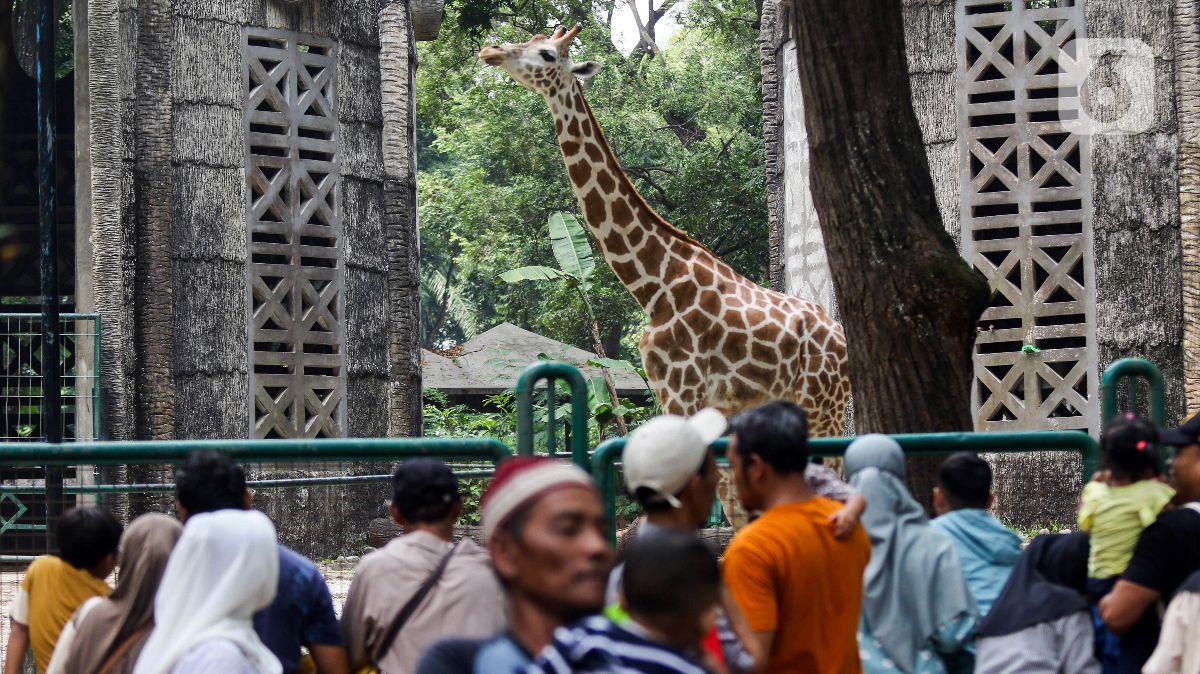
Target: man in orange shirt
799,585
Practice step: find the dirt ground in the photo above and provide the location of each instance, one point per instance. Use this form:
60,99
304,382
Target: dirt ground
338,574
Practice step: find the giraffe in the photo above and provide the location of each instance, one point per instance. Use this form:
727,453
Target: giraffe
714,337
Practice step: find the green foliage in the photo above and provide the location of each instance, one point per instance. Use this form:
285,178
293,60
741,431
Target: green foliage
490,170
570,244
535,272
448,311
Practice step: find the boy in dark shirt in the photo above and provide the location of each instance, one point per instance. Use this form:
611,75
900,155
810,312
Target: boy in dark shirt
670,591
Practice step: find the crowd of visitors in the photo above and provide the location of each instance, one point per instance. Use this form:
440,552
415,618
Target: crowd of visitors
832,576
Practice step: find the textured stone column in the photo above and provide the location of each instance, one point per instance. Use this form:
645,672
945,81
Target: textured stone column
397,63
1187,93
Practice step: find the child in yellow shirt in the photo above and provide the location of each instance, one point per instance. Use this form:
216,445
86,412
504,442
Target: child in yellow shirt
55,586
1121,500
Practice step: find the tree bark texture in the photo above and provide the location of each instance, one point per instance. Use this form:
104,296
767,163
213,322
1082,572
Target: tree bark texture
1187,92
152,207
911,302
397,64
916,302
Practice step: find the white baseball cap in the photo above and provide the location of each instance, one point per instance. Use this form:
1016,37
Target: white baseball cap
665,452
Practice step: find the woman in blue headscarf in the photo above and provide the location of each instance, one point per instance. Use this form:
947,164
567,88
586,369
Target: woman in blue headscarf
918,615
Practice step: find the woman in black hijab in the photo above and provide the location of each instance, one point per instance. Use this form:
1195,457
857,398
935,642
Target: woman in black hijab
1041,622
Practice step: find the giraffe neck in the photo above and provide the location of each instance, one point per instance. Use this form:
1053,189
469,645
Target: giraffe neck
644,250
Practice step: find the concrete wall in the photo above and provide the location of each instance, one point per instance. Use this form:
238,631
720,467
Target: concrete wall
167,218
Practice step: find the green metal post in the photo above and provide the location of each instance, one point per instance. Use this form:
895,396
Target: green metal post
1132,369
551,370
551,420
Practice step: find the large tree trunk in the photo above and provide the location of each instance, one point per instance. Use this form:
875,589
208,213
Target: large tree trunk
912,302
1187,87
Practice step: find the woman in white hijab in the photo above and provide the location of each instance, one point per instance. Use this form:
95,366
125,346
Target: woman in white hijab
224,569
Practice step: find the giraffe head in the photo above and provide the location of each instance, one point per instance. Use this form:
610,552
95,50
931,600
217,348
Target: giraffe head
542,64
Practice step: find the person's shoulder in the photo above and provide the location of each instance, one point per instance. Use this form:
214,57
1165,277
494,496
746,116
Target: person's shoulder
294,563
295,560
1184,518
46,564
1158,489
450,656
1095,490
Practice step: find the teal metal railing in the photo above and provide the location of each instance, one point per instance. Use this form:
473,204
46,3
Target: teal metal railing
551,372
604,460
1126,373
294,453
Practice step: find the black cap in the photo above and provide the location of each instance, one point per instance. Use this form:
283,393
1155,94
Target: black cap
1184,435
423,489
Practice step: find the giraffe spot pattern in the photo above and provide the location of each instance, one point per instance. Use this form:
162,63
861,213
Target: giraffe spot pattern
594,207
623,217
594,152
580,173
605,180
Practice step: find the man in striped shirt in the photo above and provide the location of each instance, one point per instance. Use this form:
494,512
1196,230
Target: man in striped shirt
670,591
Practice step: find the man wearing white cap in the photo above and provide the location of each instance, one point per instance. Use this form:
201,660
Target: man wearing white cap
671,472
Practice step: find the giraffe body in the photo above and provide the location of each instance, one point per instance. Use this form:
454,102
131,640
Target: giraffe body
714,338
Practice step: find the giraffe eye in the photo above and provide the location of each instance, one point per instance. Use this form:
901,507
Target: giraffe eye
549,57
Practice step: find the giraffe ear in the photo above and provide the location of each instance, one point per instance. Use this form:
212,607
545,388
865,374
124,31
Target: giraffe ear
586,70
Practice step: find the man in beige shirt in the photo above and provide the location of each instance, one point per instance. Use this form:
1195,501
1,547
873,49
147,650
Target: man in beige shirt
466,601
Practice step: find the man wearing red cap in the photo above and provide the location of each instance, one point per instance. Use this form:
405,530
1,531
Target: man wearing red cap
545,530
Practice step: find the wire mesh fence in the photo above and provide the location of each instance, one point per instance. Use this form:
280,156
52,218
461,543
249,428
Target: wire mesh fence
21,377
328,499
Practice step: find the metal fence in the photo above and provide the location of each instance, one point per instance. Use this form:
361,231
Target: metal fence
21,377
327,498
605,462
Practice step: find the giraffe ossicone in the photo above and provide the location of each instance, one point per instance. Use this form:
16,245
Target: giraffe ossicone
714,337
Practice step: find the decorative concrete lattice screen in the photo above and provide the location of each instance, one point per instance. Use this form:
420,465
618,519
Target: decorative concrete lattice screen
293,172
1026,213
806,268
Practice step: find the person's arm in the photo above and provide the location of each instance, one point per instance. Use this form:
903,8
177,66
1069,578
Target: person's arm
1122,607
18,644
846,518
322,635
749,640
952,635
751,584
329,659
352,623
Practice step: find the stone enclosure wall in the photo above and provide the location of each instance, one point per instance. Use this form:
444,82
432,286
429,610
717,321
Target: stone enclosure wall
249,209
1079,232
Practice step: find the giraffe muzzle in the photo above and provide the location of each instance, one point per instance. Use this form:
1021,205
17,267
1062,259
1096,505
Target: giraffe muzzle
492,56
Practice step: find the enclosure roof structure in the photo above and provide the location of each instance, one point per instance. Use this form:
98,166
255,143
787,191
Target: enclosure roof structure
492,361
